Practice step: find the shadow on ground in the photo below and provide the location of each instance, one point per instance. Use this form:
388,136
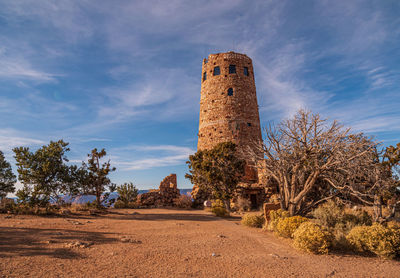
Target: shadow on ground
185,216
34,242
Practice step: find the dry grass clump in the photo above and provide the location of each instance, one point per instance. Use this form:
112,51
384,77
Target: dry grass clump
119,204
313,238
252,220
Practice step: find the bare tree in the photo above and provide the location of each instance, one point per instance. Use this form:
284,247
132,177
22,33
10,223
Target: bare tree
313,160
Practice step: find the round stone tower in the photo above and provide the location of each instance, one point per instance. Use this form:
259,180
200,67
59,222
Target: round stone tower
228,105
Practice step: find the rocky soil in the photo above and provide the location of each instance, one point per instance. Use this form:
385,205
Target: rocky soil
163,243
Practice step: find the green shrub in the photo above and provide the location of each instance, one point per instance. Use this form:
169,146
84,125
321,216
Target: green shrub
313,238
378,239
127,195
288,225
252,220
274,217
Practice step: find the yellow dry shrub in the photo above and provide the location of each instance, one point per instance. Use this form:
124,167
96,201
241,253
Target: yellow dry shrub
378,239
274,217
393,224
252,220
288,225
312,238
218,208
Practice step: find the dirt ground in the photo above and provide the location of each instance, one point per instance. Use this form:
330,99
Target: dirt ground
163,243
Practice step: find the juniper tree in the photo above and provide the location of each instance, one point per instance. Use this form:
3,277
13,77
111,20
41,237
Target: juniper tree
97,174
44,173
7,177
217,171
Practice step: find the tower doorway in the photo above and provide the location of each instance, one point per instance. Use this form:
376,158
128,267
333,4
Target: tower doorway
253,201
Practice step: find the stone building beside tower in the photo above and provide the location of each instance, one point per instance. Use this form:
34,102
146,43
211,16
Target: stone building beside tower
229,112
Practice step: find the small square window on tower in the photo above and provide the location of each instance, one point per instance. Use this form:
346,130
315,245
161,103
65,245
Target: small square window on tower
246,71
217,71
204,76
230,92
232,69
248,124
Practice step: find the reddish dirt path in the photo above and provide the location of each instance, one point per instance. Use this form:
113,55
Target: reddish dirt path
174,243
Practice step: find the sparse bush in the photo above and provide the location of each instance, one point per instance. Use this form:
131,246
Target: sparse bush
331,215
252,220
84,207
288,225
378,239
334,217
184,201
340,232
275,216
357,218
328,214
79,207
243,204
313,238
218,208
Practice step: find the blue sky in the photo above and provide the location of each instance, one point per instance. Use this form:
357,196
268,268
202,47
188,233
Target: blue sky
125,75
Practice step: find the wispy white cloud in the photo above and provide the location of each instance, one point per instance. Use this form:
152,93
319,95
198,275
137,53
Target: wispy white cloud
171,93
20,69
68,18
11,138
281,87
161,156
150,163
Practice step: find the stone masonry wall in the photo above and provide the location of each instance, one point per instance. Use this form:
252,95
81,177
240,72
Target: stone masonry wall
165,195
169,182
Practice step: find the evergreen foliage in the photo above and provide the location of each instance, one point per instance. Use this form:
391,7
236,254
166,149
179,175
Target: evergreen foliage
217,171
7,177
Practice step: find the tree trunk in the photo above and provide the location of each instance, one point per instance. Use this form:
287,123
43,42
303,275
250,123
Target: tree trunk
377,208
292,209
98,197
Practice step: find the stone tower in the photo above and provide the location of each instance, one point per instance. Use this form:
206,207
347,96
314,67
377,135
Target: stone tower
228,105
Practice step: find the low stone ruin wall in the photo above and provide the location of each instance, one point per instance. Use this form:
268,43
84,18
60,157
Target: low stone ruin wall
166,195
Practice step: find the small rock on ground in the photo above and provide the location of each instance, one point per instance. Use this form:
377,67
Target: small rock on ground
127,239
78,244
